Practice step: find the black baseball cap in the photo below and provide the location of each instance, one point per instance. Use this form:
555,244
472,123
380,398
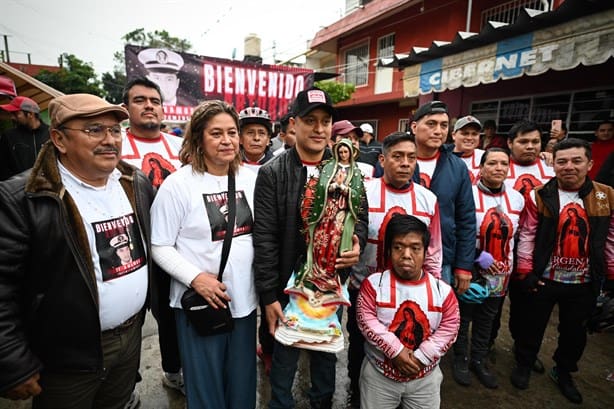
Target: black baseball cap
310,99
433,107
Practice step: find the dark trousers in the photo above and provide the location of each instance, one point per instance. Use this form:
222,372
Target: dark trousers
107,389
480,317
520,307
496,323
356,347
167,327
575,302
265,339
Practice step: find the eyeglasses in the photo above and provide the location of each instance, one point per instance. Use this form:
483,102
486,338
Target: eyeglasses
99,132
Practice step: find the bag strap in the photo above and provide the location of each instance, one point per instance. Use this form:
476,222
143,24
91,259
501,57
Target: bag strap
230,226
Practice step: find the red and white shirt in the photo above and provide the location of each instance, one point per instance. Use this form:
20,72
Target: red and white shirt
393,314
384,201
157,158
473,164
497,217
569,262
524,178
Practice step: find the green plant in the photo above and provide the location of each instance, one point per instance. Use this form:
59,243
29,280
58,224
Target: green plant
338,91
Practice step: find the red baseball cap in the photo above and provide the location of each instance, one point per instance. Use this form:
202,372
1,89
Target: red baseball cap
21,104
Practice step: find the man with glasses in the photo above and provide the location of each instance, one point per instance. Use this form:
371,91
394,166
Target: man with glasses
446,175
20,146
71,316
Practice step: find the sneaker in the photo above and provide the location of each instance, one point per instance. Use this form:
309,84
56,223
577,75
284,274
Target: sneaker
538,366
520,377
460,371
484,375
267,359
565,383
174,381
134,401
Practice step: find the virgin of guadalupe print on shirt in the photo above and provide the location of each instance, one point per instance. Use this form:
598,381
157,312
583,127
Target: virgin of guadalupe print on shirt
216,205
119,245
572,247
495,235
156,168
410,325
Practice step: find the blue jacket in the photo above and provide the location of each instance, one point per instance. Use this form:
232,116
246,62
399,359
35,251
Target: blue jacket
452,186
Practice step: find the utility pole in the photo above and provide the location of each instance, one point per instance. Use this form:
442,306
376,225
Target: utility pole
6,47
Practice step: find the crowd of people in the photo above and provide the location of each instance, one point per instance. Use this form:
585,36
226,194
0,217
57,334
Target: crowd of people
99,224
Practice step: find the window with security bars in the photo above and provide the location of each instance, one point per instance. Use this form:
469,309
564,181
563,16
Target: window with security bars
403,125
581,111
357,65
385,46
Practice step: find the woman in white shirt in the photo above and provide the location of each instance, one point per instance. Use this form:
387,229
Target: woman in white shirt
189,218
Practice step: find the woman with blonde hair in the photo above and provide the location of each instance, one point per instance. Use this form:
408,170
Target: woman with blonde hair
190,216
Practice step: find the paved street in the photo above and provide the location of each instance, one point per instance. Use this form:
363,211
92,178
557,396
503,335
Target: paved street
596,365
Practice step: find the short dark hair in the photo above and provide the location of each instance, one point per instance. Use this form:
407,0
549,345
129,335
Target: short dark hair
490,123
139,81
395,138
521,128
569,143
491,150
404,224
605,121
283,123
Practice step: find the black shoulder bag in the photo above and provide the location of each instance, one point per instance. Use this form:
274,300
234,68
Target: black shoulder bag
206,319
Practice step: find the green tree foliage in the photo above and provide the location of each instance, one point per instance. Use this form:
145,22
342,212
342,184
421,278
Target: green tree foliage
338,91
113,83
75,76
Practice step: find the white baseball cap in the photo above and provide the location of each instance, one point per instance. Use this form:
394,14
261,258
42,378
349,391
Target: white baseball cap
367,128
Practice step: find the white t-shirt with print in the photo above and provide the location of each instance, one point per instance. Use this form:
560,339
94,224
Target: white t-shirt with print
116,245
188,214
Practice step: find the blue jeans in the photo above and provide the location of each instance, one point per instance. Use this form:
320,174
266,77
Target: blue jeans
446,274
219,371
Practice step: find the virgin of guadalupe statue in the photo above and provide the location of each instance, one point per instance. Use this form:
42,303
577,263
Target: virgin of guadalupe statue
329,210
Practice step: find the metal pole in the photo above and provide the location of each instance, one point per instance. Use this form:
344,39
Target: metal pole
6,47
469,7
29,59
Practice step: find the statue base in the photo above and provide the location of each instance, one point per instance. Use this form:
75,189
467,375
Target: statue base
304,340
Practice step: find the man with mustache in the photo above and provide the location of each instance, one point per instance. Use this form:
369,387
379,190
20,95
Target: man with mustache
157,155
565,258
71,320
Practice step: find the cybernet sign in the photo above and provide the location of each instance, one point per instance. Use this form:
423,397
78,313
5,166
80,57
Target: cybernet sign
512,57
505,66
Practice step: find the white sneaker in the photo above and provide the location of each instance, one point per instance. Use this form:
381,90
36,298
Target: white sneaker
134,402
173,381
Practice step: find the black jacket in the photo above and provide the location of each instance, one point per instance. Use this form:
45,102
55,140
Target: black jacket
19,147
48,295
279,244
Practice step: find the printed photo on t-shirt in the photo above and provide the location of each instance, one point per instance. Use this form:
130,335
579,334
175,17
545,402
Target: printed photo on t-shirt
119,245
156,168
216,205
